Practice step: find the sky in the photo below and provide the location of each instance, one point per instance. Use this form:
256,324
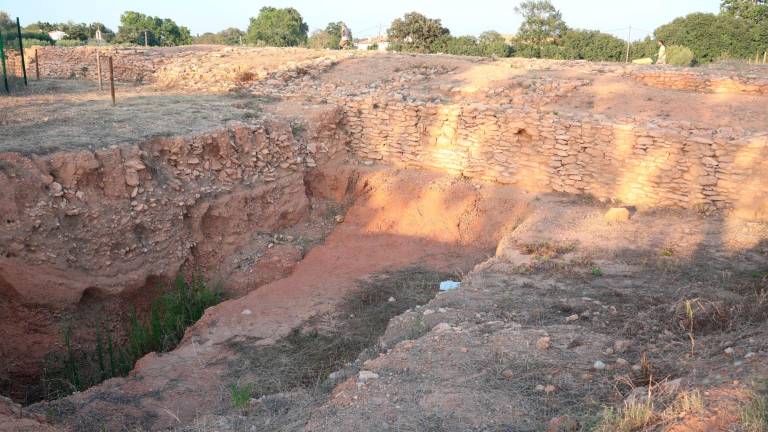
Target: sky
366,17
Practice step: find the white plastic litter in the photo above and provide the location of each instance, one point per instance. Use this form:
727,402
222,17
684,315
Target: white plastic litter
449,285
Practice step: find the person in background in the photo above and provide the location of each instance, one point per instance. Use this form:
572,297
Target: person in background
346,35
662,58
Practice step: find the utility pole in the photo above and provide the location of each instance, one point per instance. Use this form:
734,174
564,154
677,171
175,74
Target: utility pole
146,42
629,44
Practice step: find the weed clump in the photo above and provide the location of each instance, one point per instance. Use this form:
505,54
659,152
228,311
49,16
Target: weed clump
79,368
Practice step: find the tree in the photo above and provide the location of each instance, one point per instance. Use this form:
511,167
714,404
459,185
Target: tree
135,26
712,37
321,39
493,44
593,46
542,24
415,32
6,23
228,36
752,10
106,33
277,27
328,38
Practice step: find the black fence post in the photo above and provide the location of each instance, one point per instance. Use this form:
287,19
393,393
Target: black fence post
21,51
2,56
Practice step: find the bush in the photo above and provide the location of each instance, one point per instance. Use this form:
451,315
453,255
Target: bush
646,48
34,42
680,56
321,39
592,46
373,47
68,43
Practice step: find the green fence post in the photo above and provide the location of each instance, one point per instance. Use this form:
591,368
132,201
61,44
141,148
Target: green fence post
21,50
2,56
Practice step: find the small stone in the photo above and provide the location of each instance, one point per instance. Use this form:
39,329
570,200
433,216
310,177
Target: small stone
563,424
617,214
507,374
620,362
364,376
441,328
57,189
544,343
464,349
339,218
574,317
729,351
428,312
246,312
621,345
599,365
549,389
391,300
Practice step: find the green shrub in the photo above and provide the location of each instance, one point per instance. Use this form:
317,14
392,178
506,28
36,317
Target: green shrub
592,46
68,43
34,42
169,316
373,47
680,56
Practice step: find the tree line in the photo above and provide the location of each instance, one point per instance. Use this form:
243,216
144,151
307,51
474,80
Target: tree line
739,30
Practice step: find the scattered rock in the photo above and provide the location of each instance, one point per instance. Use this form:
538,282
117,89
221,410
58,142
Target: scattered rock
574,317
507,374
599,365
441,328
364,376
544,343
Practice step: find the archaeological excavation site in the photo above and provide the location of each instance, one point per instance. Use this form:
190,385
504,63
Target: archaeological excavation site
266,239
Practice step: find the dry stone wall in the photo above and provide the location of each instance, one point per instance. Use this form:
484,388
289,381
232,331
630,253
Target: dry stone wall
702,81
663,164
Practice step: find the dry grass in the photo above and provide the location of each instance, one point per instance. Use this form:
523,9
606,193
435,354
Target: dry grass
653,411
305,359
754,416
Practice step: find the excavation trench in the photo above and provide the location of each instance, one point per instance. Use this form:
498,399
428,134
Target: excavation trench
287,233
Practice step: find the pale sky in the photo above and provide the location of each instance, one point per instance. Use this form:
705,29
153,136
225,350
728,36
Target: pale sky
365,17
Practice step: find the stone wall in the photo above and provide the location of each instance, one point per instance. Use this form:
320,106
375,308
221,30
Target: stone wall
663,164
702,81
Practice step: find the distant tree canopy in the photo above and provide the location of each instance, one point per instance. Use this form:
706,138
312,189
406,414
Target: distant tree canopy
752,10
159,31
592,45
415,32
712,37
6,23
277,27
228,36
542,24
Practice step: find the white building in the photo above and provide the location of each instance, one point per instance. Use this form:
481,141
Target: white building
57,35
381,41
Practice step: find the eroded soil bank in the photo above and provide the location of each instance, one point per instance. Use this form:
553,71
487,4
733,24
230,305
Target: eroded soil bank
87,235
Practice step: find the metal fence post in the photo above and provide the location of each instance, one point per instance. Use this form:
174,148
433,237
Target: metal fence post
21,51
112,80
2,56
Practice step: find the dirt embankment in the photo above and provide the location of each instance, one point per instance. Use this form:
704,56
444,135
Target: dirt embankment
87,235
